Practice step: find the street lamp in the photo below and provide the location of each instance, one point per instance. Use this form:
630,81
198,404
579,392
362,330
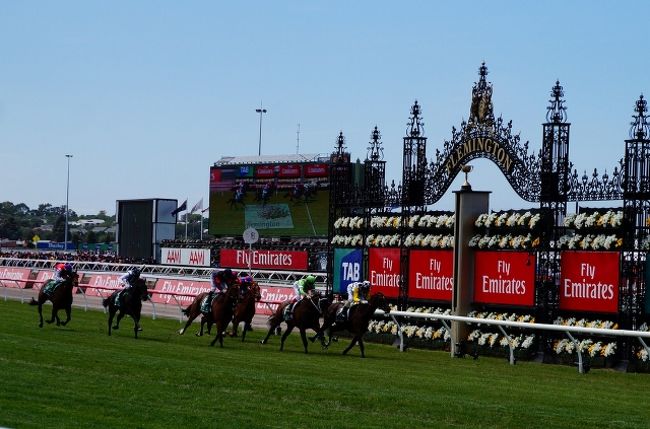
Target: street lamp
67,211
260,111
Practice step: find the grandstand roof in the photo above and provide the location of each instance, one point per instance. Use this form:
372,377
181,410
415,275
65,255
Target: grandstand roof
273,159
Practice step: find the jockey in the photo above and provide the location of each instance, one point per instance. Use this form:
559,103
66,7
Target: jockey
220,281
245,282
62,271
301,289
130,277
357,294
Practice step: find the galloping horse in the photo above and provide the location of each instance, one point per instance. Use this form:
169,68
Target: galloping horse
245,310
306,315
61,298
222,309
131,304
193,311
356,323
264,193
237,198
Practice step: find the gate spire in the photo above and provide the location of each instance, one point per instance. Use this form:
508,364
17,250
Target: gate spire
640,126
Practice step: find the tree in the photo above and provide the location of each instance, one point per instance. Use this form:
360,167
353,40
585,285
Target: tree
9,228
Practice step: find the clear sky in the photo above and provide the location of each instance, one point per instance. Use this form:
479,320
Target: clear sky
146,95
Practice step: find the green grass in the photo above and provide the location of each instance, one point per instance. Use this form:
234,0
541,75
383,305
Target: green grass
77,376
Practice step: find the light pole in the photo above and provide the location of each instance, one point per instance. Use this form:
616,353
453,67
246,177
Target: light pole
260,111
67,211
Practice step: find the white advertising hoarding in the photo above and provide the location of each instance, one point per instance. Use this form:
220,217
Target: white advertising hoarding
185,256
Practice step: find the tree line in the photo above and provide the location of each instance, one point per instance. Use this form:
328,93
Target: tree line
20,222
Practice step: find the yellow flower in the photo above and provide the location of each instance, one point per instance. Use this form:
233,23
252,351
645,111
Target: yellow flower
535,242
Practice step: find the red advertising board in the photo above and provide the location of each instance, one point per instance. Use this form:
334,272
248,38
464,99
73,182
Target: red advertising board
289,171
271,296
504,278
264,259
184,290
14,277
265,171
589,281
431,274
384,271
316,170
104,282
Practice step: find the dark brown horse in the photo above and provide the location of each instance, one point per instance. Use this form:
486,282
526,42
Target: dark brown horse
223,306
61,298
193,311
306,315
131,305
356,323
245,310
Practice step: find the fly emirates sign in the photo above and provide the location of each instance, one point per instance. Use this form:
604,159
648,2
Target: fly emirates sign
384,269
431,274
264,259
504,278
590,281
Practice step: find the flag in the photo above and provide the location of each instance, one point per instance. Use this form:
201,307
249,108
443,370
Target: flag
180,208
198,206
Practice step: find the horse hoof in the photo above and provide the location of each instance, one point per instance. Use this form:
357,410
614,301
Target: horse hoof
181,331
116,327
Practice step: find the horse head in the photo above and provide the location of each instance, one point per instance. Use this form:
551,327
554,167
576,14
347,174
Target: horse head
254,290
141,289
378,301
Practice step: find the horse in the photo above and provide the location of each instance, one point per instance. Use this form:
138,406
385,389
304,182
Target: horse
237,198
61,298
131,304
193,311
264,193
222,310
245,310
306,315
356,323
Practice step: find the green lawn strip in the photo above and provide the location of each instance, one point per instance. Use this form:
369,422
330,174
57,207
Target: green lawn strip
77,376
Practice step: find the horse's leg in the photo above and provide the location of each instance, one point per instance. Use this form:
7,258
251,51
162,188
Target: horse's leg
190,319
363,355
53,314
352,343
290,326
111,314
67,309
136,325
268,334
117,321
218,336
303,336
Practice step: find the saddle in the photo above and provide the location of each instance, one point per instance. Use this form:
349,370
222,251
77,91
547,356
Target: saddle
206,304
50,287
287,314
120,296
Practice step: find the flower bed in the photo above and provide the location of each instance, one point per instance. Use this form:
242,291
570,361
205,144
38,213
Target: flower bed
598,354
496,344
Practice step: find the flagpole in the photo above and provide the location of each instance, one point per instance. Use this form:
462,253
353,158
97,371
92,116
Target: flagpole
186,220
201,223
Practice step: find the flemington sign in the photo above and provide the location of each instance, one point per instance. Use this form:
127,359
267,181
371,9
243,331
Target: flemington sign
480,146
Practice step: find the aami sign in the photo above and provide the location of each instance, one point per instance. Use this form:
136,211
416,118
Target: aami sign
193,257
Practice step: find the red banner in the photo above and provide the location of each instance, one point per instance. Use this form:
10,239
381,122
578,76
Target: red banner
316,170
384,269
271,296
504,278
184,290
265,171
264,259
14,277
289,171
589,281
431,274
105,282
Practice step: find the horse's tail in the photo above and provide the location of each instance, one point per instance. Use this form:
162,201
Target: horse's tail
186,311
33,302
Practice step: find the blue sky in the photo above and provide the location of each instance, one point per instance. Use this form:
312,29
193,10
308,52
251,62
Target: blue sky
147,95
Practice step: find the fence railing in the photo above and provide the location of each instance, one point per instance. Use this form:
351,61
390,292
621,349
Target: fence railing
568,330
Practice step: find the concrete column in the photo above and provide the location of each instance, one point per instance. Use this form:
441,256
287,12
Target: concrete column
469,205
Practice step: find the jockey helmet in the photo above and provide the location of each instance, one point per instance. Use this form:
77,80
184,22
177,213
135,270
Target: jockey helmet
134,272
246,280
310,280
68,267
59,267
227,273
365,284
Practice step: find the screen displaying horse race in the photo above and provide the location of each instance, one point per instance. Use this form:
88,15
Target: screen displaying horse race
276,199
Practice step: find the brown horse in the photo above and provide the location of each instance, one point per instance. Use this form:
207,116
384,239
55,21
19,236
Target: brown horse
356,323
245,310
61,298
193,311
223,306
306,315
131,305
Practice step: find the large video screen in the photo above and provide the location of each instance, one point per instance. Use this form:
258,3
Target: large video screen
276,199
